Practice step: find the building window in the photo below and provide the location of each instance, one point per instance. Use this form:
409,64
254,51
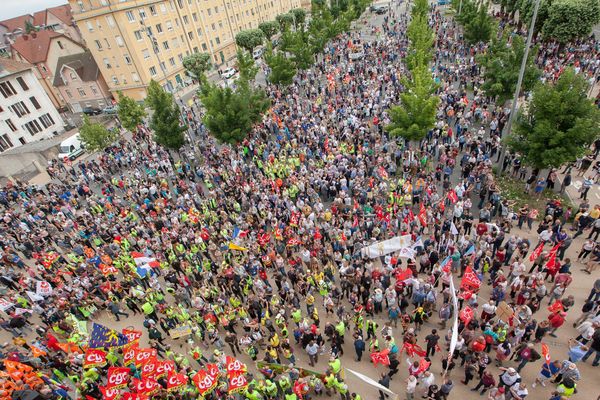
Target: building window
195,17
181,58
166,45
22,83
98,44
19,108
5,143
217,40
68,92
119,41
186,20
213,26
110,21
107,43
107,63
204,48
191,35
90,26
94,90
135,77
175,43
199,31
146,54
216,10
138,35
81,92
152,71
32,127
153,10
11,125
7,89
60,45
163,67
163,8
127,59
172,61
46,120
169,25
143,14
159,28
35,103
209,12
130,16
115,80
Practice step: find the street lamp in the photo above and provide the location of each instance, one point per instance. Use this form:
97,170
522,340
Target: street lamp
513,109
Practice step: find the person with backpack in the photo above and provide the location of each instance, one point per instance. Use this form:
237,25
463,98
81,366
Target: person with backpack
528,354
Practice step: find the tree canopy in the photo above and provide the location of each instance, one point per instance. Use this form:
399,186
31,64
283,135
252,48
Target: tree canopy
130,112
269,28
570,19
168,132
559,123
196,64
95,136
249,39
283,69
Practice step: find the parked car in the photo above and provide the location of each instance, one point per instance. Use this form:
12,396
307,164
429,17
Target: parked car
257,53
381,9
110,110
91,111
229,73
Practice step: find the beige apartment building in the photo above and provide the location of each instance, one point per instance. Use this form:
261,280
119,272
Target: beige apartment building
134,41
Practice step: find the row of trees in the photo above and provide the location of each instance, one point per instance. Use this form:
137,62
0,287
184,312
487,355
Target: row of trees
560,20
415,115
479,26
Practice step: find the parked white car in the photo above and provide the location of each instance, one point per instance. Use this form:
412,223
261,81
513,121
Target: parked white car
228,73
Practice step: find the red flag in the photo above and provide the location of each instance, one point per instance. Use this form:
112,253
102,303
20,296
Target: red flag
423,365
109,393
470,281
129,353
234,366
132,335
294,242
205,382
143,355
412,349
237,382
149,368
164,368
134,396
466,315
403,274
546,353
381,357
452,196
355,221
423,215
117,377
536,253
551,264
146,386
175,381
94,358
294,219
317,234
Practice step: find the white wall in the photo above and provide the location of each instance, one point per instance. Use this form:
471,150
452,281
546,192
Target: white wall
35,90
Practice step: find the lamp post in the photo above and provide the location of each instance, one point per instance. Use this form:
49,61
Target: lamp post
513,109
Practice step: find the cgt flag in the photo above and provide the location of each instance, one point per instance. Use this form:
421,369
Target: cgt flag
546,353
381,357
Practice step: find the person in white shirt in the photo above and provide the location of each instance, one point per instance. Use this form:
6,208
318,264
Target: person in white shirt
411,387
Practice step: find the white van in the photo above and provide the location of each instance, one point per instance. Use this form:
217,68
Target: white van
70,148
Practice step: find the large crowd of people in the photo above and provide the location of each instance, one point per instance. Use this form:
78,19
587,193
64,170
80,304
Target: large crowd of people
319,235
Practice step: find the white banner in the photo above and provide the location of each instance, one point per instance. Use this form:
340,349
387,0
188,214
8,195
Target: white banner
5,304
33,296
43,288
380,249
454,337
371,382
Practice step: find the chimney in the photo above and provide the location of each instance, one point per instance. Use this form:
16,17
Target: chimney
33,35
25,37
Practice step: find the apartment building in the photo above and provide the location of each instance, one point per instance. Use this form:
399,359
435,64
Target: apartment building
26,112
134,41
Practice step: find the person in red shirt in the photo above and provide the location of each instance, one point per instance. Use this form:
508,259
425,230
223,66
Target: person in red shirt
556,320
481,228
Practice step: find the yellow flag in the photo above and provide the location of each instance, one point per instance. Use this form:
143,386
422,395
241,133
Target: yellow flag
233,246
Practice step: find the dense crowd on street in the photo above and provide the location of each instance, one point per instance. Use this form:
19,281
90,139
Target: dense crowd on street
271,251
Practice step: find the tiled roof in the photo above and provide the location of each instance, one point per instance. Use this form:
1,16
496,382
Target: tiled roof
9,67
34,47
17,22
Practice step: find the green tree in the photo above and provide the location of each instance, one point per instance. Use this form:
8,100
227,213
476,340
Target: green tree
95,136
269,28
299,15
284,21
502,64
416,114
571,19
197,64
165,118
481,27
283,69
421,41
249,39
293,43
130,112
230,115
245,65
420,9
559,124
525,8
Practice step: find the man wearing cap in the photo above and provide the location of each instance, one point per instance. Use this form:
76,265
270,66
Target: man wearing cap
497,394
509,377
518,391
568,370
